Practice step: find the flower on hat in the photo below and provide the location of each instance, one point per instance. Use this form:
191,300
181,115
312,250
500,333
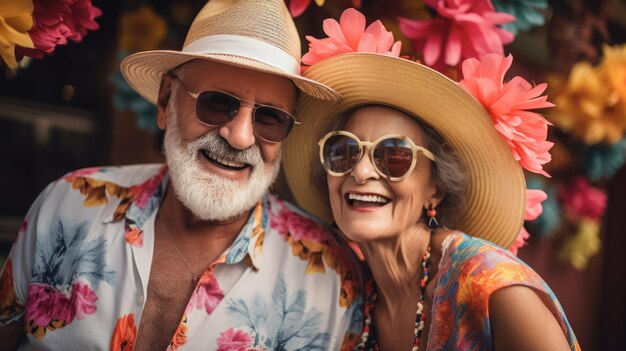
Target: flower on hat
534,198
508,104
527,13
350,35
462,29
58,21
15,22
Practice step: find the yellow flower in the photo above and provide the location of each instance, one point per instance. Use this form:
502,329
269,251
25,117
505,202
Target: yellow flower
613,67
588,104
16,19
142,30
578,249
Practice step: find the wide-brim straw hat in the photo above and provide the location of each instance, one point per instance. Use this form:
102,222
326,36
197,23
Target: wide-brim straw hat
496,187
255,34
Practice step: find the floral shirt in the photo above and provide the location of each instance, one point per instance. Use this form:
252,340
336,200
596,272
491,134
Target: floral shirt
77,274
471,270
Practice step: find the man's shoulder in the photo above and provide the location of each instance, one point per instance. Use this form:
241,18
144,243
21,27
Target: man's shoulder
123,176
287,218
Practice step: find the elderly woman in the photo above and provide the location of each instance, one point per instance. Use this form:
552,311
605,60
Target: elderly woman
417,176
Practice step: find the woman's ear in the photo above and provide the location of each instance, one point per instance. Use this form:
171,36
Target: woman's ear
435,198
165,92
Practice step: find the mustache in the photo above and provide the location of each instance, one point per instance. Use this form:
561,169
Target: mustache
214,143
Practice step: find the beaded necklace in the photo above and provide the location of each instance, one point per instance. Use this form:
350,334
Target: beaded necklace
368,337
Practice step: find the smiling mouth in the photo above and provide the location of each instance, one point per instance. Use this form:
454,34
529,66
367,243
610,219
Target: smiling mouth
223,163
365,200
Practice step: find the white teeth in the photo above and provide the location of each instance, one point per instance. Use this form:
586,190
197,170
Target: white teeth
225,162
367,198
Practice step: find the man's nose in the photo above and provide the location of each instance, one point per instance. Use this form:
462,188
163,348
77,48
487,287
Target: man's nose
239,132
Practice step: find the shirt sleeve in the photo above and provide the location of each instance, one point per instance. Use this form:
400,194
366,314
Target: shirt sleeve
16,270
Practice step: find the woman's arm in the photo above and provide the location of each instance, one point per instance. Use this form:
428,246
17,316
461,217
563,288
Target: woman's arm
521,320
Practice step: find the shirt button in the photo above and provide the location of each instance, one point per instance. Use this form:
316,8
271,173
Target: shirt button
140,300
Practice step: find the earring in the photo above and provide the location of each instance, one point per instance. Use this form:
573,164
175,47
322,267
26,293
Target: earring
432,220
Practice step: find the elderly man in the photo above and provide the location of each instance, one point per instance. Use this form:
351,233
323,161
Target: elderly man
194,254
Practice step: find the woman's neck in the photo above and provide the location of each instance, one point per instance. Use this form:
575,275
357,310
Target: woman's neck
396,264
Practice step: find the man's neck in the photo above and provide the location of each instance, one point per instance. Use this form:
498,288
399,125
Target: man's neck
189,230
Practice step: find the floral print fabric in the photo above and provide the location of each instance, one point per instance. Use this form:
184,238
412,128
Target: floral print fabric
471,270
77,274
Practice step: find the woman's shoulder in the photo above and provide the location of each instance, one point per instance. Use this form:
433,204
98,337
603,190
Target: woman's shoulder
481,263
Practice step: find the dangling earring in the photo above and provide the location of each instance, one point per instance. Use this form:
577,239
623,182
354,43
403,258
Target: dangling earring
432,220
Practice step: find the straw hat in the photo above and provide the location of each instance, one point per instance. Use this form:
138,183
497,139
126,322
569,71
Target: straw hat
496,186
254,34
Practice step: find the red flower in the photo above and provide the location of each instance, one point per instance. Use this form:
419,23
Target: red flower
583,200
57,21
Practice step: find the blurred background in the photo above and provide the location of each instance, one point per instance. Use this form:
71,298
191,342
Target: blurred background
65,106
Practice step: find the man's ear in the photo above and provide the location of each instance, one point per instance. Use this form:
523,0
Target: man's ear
165,92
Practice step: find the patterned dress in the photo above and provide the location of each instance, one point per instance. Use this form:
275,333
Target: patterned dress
470,270
77,274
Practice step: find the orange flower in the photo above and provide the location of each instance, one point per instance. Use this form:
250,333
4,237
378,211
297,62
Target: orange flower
180,336
142,29
124,334
16,19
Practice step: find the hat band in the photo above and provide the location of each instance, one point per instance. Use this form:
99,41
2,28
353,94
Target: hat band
247,47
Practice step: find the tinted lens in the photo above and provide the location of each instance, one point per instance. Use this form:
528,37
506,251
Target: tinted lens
271,123
393,157
215,108
340,153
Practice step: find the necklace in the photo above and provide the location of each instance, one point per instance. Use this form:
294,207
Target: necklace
167,233
368,337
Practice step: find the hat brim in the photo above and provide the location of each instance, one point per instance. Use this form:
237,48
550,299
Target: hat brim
496,187
144,70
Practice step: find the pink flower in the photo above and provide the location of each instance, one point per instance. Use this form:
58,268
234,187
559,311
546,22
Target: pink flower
208,294
350,35
57,21
46,303
233,340
520,241
581,199
83,300
299,227
508,105
84,172
297,7
145,190
534,198
463,29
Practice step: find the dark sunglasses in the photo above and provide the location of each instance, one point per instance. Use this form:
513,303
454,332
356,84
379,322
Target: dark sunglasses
393,156
216,108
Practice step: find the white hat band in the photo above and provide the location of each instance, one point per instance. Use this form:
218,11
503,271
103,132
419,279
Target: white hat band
254,49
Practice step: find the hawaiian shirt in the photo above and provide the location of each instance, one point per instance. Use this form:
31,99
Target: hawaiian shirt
471,270
78,271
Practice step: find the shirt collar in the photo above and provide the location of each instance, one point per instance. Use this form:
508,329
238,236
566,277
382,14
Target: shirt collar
147,198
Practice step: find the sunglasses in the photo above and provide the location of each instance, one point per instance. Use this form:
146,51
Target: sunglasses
393,156
216,108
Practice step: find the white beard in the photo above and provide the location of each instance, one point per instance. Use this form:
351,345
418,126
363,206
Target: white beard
207,195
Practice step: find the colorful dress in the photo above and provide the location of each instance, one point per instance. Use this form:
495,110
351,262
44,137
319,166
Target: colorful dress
77,274
470,270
